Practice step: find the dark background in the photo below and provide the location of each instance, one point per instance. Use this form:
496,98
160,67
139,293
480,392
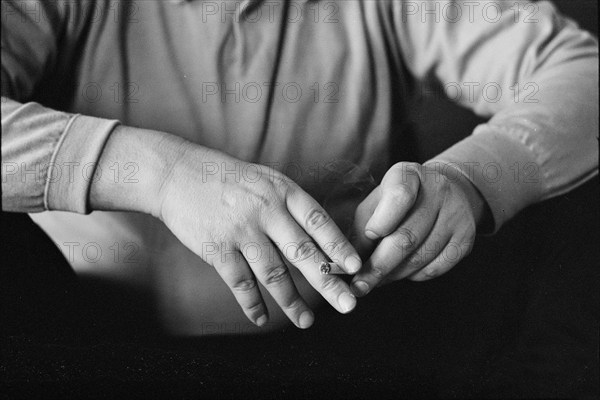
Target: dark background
516,329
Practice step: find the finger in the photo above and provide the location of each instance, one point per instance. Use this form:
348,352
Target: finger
418,259
437,239
451,255
272,272
399,191
317,223
363,213
299,249
393,250
236,273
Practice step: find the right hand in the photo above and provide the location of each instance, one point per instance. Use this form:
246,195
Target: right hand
242,218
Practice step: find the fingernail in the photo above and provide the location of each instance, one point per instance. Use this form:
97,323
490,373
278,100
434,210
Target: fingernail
347,302
306,319
261,320
352,264
360,288
371,235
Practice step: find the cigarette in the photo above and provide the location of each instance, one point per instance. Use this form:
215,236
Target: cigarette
331,268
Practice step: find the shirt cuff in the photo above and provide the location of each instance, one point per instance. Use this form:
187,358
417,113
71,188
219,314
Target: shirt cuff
501,166
73,166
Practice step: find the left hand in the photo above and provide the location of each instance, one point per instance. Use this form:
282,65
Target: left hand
421,221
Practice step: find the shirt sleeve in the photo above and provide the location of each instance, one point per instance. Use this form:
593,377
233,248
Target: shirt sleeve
533,72
48,157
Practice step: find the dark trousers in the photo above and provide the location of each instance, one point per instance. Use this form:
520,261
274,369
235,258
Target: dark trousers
518,318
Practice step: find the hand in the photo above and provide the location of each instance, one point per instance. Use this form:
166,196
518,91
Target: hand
421,221
244,220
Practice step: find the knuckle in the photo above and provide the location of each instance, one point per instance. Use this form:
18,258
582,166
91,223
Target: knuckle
337,247
293,304
316,218
254,308
414,261
266,202
378,272
404,240
430,273
330,283
273,216
244,285
276,275
283,185
305,250
417,277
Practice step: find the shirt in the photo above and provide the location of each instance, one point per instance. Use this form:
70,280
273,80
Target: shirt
292,84
295,82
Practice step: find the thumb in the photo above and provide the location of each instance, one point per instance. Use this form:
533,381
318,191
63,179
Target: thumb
363,245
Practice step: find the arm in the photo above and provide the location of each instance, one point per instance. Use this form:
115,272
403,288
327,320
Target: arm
542,135
538,81
221,220
32,135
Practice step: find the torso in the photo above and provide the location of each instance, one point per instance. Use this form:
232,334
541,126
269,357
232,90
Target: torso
197,73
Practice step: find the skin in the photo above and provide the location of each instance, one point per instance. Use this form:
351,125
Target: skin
243,228
417,224
253,230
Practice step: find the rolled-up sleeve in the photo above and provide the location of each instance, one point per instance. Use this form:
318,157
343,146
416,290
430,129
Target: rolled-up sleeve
48,156
533,72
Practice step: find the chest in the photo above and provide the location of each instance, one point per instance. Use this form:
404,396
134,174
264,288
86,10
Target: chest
300,82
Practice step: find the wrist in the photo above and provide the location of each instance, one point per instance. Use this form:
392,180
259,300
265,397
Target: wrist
477,204
134,167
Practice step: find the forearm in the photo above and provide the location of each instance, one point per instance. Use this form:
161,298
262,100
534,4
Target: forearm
132,169
64,162
541,139
48,157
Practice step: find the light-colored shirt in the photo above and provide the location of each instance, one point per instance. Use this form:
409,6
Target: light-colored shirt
294,85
